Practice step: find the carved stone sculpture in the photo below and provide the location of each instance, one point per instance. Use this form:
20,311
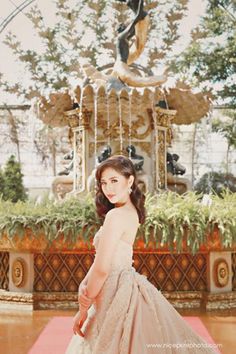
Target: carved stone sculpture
174,169
121,68
63,183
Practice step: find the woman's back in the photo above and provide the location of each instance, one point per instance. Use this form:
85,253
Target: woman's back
123,256
130,224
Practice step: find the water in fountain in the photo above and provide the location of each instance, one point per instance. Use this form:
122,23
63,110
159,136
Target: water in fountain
156,145
120,123
209,149
108,121
76,143
130,122
206,200
153,173
81,105
174,176
95,126
174,172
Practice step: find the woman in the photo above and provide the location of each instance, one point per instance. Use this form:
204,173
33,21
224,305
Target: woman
120,311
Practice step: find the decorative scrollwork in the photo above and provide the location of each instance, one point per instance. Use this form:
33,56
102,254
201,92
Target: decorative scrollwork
221,272
18,272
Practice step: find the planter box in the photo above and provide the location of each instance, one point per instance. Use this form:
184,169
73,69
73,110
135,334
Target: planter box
35,244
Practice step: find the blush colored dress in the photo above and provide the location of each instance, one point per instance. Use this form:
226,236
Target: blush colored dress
130,316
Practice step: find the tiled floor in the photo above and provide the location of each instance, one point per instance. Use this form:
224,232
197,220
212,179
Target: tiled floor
19,330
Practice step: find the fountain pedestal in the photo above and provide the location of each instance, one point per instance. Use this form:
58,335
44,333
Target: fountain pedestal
118,120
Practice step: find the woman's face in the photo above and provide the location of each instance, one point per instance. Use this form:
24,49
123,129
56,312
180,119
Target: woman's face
115,186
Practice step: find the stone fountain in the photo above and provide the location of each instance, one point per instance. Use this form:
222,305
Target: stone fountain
122,112
118,112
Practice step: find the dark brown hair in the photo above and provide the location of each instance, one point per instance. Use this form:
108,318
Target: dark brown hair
125,167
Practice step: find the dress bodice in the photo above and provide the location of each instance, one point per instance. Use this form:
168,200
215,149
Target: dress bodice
123,255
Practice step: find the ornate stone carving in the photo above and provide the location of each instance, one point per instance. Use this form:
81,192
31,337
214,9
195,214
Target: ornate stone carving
144,146
19,272
61,186
113,131
51,110
164,119
221,272
162,158
79,161
75,119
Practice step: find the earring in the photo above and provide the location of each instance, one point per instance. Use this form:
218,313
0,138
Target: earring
129,190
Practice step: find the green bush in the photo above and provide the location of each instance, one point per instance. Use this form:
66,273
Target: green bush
1,183
11,182
216,183
171,218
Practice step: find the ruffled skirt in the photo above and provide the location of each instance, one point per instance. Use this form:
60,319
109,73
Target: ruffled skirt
131,316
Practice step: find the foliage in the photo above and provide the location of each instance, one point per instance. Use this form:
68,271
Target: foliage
211,56
175,218
227,128
13,188
51,143
1,182
84,31
170,220
70,218
216,183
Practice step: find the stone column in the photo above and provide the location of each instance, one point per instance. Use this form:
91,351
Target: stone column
164,136
80,125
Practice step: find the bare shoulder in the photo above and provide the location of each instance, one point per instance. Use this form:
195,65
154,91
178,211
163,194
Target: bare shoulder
113,224
117,218
114,214
121,215
121,223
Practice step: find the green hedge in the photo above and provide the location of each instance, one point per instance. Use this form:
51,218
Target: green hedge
170,218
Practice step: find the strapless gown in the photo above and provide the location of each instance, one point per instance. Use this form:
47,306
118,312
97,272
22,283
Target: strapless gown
130,316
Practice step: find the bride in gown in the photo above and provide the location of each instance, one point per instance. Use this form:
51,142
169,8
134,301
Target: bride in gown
120,311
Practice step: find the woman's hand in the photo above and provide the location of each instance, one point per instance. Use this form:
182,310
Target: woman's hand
84,301
79,320
82,289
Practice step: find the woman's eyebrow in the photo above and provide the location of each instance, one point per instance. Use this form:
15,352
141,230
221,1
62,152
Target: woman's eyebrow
108,178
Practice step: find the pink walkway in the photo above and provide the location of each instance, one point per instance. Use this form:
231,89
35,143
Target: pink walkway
57,333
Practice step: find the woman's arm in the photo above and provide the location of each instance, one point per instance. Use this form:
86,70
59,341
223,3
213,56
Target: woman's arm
111,233
85,280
